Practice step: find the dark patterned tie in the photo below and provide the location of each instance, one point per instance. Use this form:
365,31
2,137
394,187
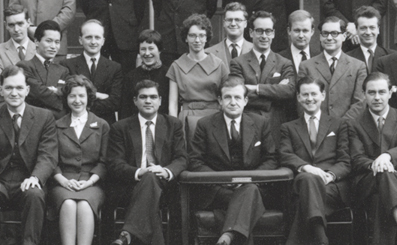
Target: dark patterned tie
47,64
263,61
370,60
15,123
93,68
304,57
233,131
149,145
332,67
380,130
234,50
20,53
313,134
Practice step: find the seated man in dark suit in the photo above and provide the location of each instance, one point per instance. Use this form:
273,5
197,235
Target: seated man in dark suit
106,75
233,140
373,149
146,153
28,153
368,20
316,148
44,77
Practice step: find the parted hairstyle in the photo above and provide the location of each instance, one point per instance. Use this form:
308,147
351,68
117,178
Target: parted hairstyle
231,82
151,36
78,81
299,15
199,20
14,10
91,21
376,76
309,80
145,84
333,19
10,71
367,12
48,25
260,14
236,6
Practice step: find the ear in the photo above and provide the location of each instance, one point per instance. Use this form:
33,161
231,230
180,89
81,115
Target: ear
80,40
160,100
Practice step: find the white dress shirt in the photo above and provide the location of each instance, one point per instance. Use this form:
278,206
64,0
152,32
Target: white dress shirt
258,55
329,58
229,124
366,53
19,121
24,45
376,117
42,59
239,46
78,123
316,120
89,61
297,56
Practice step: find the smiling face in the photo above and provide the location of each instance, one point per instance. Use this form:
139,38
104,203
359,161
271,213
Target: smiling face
49,44
233,101
262,42
92,38
14,90
149,53
77,100
148,102
233,29
310,97
300,33
196,39
377,95
367,30
17,26
332,45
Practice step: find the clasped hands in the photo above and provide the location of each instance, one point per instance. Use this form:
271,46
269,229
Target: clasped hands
326,177
74,185
156,169
382,164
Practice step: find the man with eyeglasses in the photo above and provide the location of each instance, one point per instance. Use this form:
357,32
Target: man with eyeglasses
342,75
234,44
367,20
268,76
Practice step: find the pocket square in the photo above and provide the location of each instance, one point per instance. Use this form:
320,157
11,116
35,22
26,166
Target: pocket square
94,125
61,82
257,143
331,134
276,74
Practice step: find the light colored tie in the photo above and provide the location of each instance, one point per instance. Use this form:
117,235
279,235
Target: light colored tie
149,145
313,134
233,131
370,60
21,53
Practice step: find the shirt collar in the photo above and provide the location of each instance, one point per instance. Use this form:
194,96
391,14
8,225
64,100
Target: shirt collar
258,54
295,51
328,57
365,49
24,45
376,117
83,117
317,115
142,120
23,106
41,58
209,63
229,120
88,58
239,43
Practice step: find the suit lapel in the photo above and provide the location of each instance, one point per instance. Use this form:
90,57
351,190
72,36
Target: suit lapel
389,129
246,47
341,68
82,67
323,67
40,70
11,52
369,125
88,130
136,137
289,52
26,124
31,50
101,71
54,74
224,52
254,63
220,133
64,123
324,124
160,136
6,124
301,129
247,131
270,63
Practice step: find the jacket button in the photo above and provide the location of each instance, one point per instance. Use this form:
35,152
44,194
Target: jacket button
78,158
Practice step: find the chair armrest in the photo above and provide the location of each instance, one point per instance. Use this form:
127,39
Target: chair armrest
236,177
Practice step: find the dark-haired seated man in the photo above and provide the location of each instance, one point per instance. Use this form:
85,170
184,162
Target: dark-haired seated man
233,140
316,148
373,147
146,153
44,77
28,153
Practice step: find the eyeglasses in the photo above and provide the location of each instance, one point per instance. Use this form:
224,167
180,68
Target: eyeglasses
260,31
236,20
194,36
298,31
334,34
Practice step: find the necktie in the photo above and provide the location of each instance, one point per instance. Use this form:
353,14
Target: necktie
332,67
47,64
304,57
234,50
20,53
233,131
15,123
263,61
380,124
313,134
149,144
93,68
370,60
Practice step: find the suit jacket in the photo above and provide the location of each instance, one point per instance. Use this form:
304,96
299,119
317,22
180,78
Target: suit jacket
107,79
365,145
38,143
344,96
222,51
60,11
124,153
379,52
39,80
210,150
386,65
79,158
9,54
286,53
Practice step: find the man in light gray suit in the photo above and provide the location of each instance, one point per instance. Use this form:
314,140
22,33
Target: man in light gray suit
18,47
234,44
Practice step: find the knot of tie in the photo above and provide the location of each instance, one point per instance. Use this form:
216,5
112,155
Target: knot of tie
234,50
148,123
304,57
15,122
47,63
21,54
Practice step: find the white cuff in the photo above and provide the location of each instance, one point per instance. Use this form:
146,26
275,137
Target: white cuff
170,175
136,174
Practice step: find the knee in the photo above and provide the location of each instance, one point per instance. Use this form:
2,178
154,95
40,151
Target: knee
307,180
69,203
34,195
251,189
83,205
149,178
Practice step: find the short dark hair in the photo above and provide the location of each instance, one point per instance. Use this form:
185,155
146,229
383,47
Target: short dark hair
10,71
145,84
14,10
300,15
260,14
199,20
78,81
236,6
91,21
48,25
231,82
151,36
376,76
309,80
333,19
366,12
